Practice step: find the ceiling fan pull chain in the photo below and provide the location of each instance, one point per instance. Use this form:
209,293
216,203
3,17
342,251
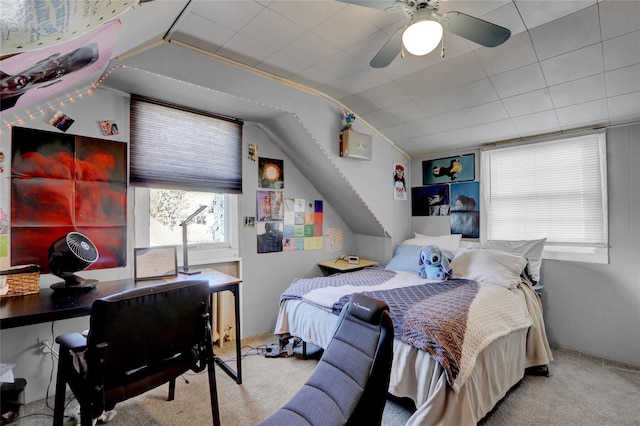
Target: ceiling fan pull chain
442,49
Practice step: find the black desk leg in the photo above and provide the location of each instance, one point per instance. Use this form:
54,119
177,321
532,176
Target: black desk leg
235,375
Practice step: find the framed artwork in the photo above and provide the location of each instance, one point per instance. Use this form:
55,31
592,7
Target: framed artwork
460,168
432,200
152,263
465,209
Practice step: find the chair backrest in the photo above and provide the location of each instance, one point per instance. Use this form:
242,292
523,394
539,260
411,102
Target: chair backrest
145,327
350,383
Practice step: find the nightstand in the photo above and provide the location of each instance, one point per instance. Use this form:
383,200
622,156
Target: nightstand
334,266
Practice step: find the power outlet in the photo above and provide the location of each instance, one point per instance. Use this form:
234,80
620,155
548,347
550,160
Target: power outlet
45,346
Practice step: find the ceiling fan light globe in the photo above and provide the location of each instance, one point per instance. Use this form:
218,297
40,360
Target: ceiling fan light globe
422,37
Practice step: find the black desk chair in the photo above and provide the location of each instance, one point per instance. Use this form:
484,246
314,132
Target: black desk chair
350,383
138,340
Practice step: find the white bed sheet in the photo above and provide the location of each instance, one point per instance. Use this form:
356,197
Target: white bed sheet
414,374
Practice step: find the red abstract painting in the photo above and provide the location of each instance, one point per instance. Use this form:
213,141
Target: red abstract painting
63,183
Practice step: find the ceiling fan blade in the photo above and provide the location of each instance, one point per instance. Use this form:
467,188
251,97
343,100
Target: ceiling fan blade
373,4
475,29
389,51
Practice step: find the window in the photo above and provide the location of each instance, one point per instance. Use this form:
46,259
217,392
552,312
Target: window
181,159
553,189
211,235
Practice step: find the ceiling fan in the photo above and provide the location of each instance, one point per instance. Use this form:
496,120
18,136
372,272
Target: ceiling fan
424,32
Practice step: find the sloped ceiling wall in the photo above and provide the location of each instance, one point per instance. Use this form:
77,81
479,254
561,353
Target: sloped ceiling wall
197,88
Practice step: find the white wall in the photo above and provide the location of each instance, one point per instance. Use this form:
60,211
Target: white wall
592,308
265,276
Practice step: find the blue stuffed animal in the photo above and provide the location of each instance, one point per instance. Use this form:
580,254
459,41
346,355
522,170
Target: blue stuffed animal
434,263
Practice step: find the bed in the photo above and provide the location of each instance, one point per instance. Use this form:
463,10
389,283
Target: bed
460,344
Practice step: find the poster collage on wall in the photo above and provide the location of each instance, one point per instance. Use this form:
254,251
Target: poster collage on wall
283,224
450,190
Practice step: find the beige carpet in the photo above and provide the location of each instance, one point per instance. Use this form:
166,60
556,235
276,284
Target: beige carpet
581,390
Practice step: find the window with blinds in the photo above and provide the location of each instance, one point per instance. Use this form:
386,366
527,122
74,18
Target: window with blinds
555,190
176,148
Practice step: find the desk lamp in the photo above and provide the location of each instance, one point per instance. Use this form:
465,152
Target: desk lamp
71,253
185,261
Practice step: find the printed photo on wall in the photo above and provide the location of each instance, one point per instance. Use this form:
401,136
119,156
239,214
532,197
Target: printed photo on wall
253,152
432,200
465,209
451,169
108,127
269,237
270,173
269,205
61,121
399,182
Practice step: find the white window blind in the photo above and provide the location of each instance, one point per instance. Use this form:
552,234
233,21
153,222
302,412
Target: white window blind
176,148
554,190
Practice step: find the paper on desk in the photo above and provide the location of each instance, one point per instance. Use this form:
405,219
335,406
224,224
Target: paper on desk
6,373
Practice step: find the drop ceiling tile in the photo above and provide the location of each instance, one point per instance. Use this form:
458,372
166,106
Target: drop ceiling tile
507,16
588,113
514,53
262,28
573,65
381,118
418,128
623,80
450,73
518,81
283,64
473,116
405,112
311,48
245,50
460,97
619,17
385,95
233,15
357,82
345,28
537,123
200,32
528,103
567,34
578,91
624,108
536,13
494,131
622,51
307,14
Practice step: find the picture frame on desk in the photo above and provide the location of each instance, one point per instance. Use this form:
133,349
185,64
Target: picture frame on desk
152,263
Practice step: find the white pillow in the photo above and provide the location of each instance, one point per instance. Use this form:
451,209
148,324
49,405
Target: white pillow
445,242
491,266
530,249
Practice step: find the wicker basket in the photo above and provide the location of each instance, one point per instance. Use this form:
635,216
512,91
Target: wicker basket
22,281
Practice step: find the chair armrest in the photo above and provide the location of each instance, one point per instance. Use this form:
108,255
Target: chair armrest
74,341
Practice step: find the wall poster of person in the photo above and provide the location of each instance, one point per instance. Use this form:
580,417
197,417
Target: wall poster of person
399,182
269,237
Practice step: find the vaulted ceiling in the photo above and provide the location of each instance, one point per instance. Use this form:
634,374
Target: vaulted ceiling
568,64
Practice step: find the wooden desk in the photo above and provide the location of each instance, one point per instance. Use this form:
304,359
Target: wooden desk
48,305
334,266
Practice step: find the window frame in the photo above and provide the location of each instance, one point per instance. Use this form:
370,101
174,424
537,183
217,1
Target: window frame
577,252
201,253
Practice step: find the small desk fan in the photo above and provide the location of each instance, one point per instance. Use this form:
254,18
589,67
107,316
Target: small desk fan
71,253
